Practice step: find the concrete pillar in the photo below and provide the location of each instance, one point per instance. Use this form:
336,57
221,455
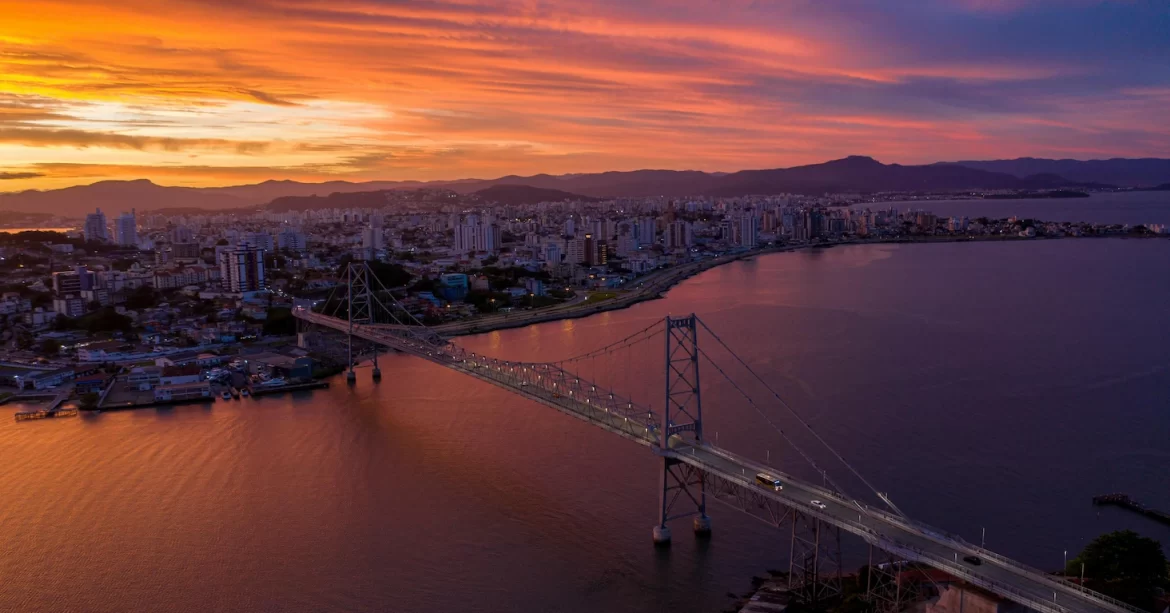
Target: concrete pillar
377,374
661,536
702,526
350,377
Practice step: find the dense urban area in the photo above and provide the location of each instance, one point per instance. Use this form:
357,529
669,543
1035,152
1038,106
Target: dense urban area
184,305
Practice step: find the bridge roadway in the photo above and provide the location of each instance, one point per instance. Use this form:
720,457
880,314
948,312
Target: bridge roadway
906,538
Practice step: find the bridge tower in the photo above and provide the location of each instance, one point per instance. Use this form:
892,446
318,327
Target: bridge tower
682,418
361,311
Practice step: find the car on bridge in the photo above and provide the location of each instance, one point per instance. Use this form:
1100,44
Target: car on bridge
972,560
770,481
818,504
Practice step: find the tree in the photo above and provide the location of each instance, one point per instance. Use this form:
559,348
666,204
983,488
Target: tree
280,322
1125,565
50,347
89,401
23,339
105,320
143,297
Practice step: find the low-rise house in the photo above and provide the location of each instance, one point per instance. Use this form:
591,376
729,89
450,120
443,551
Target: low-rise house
90,383
144,377
47,380
182,391
175,375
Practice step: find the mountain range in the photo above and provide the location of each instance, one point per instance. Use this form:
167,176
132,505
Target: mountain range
851,174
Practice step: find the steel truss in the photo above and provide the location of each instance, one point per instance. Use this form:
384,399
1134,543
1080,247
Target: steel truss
360,305
814,560
814,556
883,582
682,418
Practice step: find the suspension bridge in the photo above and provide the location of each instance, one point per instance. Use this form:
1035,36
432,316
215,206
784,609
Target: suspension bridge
695,472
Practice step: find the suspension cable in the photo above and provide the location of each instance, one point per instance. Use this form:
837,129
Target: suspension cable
605,349
803,422
776,427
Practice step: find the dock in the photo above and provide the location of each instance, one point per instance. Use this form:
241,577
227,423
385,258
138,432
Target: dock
45,414
1125,502
292,387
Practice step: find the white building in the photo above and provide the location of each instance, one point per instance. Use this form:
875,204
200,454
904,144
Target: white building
646,231
373,242
95,227
126,229
575,251
71,306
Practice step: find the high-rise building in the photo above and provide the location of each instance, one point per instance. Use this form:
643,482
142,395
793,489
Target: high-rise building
679,235
590,247
126,229
552,253
373,241
748,231
464,239
646,231
488,235
74,281
475,235
291,239
182,234
242,269
95,227
185,251
575,251
260,240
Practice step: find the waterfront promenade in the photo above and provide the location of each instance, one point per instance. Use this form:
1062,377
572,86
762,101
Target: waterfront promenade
652,285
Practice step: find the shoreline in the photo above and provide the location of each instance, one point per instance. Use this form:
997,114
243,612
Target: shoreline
677,275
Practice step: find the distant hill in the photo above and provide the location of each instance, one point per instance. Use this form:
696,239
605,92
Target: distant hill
864,174
1140,172
353,200
851,174
524,194
114,197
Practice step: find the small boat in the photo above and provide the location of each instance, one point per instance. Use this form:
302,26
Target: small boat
245,393
226,395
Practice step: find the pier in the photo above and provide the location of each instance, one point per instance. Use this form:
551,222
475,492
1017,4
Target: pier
1125,502
292,387
45,414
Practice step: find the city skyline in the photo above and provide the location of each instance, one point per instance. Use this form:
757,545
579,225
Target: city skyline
217,93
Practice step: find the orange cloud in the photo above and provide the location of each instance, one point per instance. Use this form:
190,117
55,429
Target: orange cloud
215,91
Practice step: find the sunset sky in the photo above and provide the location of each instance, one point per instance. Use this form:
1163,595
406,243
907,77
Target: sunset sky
218,92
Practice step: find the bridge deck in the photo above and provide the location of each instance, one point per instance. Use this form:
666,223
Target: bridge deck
913,541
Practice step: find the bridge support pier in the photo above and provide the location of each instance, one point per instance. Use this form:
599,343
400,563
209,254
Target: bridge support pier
681,483
661,536
350,376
